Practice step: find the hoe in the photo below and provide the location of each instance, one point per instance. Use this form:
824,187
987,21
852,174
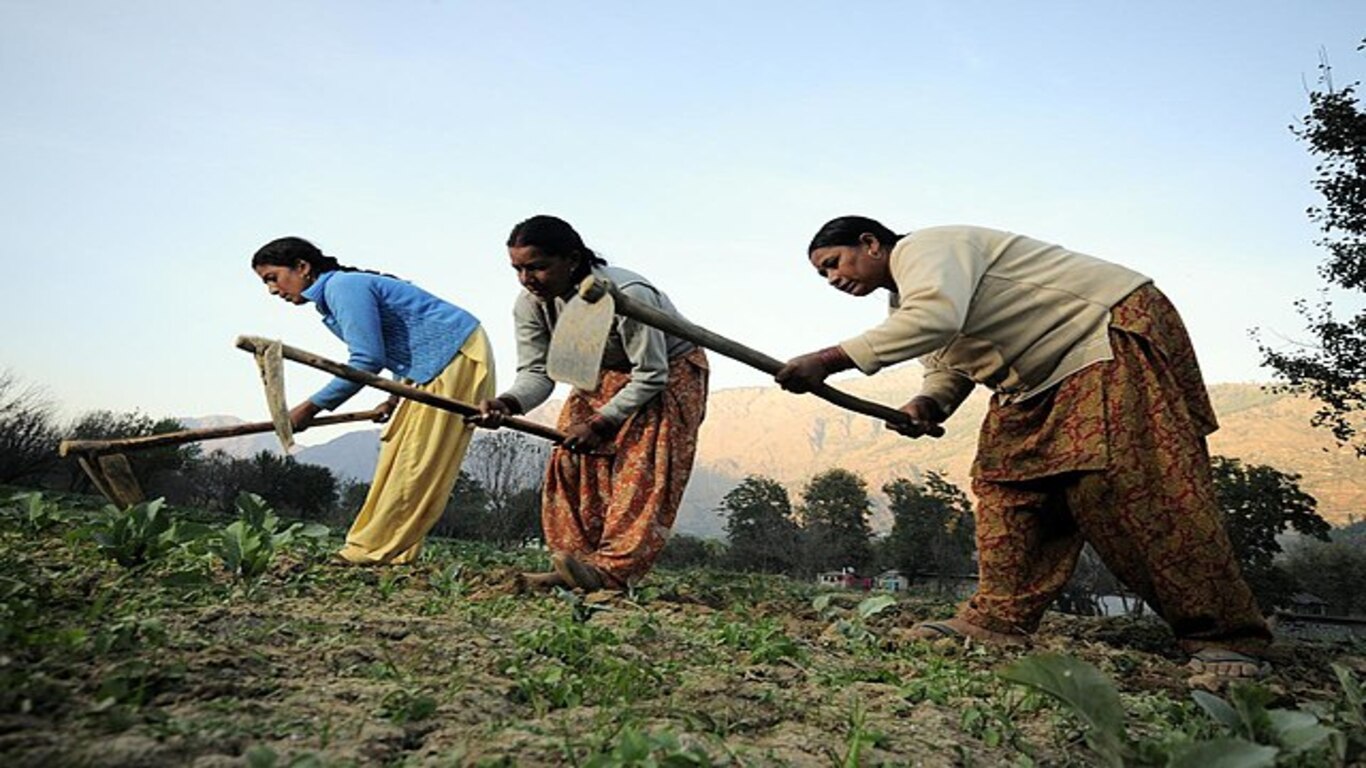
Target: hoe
576,348
106,464
269,354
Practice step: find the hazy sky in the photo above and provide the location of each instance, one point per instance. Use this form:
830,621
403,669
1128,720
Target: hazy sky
148,148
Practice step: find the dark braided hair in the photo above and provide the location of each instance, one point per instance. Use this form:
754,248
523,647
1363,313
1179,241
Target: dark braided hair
288,251
554,236
846,230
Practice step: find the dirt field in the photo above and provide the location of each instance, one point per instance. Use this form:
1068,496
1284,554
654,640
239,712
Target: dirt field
174,663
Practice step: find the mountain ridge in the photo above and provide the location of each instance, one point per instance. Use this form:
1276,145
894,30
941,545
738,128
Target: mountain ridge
790,438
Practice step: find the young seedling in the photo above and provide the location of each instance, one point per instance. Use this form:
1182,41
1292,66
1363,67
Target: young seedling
34,513
248,545
135,535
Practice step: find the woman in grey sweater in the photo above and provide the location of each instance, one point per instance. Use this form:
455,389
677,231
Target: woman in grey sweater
613,488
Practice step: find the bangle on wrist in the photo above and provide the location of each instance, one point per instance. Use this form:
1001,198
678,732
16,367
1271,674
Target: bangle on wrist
602,426
834,359
938,413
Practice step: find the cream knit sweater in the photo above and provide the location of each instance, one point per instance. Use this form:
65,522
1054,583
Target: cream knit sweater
980,306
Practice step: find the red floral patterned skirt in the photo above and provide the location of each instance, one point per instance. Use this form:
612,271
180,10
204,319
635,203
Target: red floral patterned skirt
1115,455
615,511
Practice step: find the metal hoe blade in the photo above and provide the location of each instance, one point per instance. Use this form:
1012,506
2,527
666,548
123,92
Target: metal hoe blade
122,485
90,464
112,476
272,366
580,337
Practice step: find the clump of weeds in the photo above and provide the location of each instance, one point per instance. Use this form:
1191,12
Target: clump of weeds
764,640
1247,730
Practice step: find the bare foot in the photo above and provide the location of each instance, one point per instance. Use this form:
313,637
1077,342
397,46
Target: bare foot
577,573
539,582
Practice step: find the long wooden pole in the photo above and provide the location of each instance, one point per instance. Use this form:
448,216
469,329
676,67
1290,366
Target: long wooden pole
119,445
252,343
737,351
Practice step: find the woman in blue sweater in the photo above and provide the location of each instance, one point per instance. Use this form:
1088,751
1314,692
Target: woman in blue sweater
390,324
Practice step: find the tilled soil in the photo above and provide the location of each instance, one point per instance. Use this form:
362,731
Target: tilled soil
444,663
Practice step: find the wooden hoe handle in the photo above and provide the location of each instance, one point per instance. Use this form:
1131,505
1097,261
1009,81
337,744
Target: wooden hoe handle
591,291
252,343
120,445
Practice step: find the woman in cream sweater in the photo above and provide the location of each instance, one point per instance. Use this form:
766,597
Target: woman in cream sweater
1095,432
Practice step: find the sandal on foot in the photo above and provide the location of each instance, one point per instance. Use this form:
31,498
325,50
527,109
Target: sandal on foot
576,572
957,629
1226,664
934,630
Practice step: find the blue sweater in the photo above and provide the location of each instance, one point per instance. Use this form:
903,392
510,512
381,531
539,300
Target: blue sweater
387,323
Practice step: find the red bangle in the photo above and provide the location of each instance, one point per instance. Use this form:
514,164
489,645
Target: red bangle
601,426
834,359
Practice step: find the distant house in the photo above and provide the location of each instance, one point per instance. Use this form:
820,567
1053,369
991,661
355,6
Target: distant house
1306,604
1307,618
845,578
892,581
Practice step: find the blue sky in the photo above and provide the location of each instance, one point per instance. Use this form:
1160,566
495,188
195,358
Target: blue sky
148,148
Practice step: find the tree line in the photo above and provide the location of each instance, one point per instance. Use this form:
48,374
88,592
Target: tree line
1285,547
497,499
830,529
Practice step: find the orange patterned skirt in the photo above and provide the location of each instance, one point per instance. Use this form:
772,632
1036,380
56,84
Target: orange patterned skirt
1115,455
615,511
